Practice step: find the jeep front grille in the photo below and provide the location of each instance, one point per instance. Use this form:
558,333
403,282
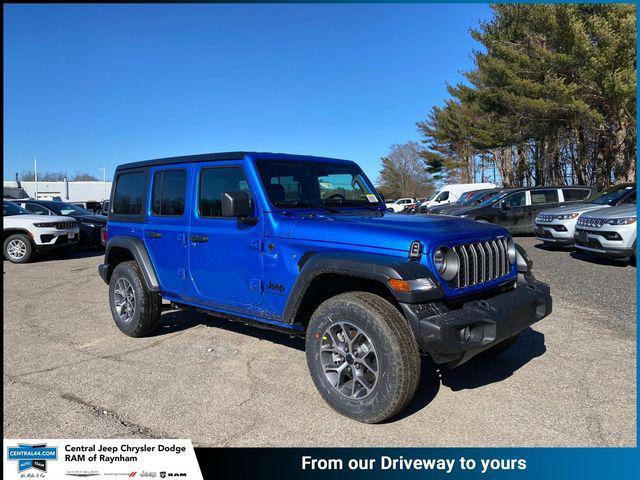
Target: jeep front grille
65,225
481,262
591,222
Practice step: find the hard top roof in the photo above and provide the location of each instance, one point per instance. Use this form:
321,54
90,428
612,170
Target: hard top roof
211,157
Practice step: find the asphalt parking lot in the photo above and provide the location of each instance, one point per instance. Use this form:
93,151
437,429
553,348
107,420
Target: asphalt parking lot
70,373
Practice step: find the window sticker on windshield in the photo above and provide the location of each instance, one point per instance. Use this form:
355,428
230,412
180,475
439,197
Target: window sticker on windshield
372,198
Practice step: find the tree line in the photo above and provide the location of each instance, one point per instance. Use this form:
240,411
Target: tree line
551,100
29,176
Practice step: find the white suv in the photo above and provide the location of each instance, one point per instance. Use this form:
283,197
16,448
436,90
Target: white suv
24,233
609,232
399,204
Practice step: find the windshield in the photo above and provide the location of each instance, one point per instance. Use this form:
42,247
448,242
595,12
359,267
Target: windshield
611,195
67,209
297,183
10,208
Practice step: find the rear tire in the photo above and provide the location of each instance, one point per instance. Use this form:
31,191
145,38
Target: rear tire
18,248
362,356
135,308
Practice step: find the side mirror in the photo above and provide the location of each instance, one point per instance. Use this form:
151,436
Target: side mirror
236,204
504,205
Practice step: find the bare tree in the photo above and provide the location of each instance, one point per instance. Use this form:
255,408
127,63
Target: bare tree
404,173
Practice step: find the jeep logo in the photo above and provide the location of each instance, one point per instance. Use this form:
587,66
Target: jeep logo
278,287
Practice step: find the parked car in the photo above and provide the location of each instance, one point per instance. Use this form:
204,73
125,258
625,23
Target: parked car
608,232
468,199
516,209
451,193
254,237
557,226
92,206
89,223
103,209
25,234
398,205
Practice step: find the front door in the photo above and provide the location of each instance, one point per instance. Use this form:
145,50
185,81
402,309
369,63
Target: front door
511,210
165,235
225,259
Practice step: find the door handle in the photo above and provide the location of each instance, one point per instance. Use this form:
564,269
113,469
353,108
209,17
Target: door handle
154,235
199,238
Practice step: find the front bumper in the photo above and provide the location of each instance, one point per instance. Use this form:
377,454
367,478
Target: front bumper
51,238
556,232
595,241
453,336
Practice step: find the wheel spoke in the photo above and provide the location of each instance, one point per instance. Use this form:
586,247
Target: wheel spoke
349,360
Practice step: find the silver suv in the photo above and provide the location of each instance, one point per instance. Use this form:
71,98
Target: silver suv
557,226
609,232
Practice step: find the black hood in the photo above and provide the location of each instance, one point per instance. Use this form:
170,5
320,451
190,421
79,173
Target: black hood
91,218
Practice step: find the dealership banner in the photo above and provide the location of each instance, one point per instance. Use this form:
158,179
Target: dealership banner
123,458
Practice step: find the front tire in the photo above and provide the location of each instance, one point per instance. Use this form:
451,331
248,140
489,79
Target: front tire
18,248
362,356
135,308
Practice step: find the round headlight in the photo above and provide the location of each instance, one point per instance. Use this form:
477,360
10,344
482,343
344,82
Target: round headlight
440,260
446,262
511,251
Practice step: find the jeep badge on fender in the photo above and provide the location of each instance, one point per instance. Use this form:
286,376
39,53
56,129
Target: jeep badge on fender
369,290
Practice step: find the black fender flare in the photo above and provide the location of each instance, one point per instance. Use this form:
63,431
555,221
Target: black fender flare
140,255
370,266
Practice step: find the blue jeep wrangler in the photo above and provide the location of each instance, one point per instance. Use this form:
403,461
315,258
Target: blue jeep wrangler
304,245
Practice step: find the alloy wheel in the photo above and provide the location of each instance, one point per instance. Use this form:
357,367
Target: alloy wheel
124,300
349,360
16,249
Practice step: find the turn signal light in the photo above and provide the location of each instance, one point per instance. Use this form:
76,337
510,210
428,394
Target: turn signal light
399,285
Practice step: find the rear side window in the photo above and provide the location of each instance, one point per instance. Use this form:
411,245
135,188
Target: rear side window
129,193
543,196
169,192
213,183
573,194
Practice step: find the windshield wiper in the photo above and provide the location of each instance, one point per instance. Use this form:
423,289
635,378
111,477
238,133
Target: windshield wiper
301,203
352,203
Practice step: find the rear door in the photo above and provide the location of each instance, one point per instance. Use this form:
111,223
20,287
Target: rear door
225,254
165,234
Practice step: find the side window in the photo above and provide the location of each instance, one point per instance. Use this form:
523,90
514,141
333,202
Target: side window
213,183
575,194
443,196
169,192
127,199
518,199
539,197
37,209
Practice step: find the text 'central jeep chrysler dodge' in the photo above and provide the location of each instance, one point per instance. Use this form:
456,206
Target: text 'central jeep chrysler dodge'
304,245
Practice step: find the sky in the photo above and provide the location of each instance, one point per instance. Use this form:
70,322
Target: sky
92,86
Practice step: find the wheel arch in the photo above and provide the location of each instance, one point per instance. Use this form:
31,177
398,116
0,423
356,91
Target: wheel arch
7,232
326,274
123,248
